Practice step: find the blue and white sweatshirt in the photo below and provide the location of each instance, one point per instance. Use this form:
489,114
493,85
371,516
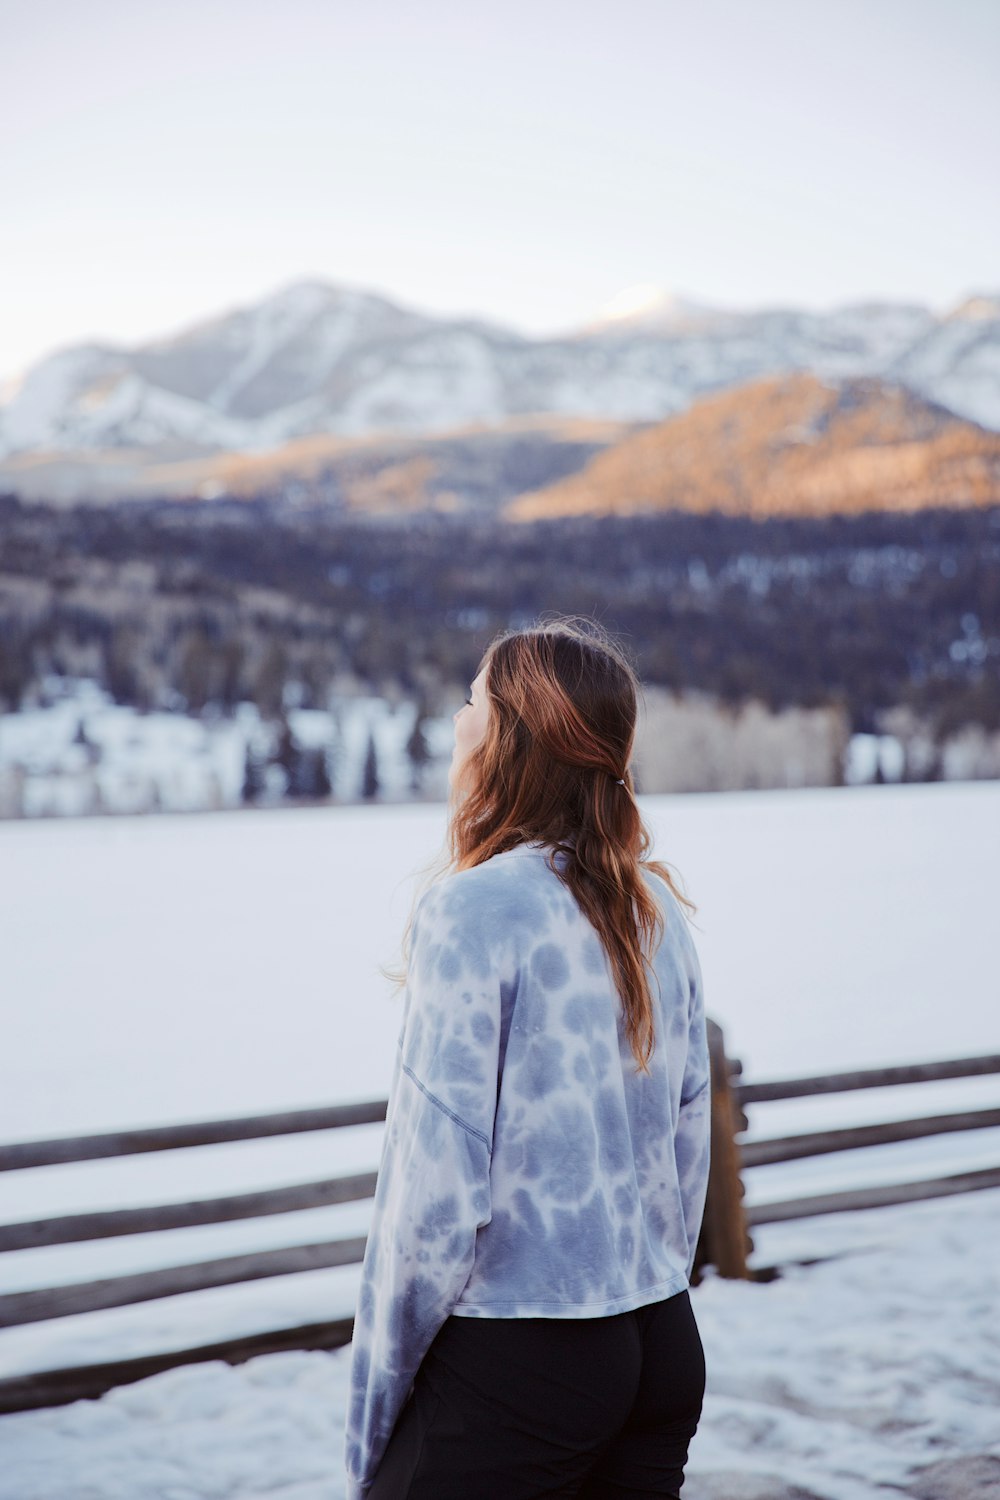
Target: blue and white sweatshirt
527,1170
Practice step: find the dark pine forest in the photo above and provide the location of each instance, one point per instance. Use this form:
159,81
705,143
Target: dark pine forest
180,604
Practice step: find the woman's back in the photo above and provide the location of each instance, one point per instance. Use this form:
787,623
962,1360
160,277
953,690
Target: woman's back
598,1171
528,1169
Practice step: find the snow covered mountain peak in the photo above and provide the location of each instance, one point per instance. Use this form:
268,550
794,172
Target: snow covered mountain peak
650,307
310,297
983,307
314,359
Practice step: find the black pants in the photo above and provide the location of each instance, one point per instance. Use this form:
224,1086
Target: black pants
521,1408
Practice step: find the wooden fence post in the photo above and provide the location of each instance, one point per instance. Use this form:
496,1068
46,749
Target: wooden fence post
724,1241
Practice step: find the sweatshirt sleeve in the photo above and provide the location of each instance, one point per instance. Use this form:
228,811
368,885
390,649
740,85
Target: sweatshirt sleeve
433,1188
692,1139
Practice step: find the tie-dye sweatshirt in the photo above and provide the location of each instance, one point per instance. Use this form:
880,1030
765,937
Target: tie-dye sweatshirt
527,1169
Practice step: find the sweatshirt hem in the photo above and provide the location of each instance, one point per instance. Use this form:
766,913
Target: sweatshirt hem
520,1308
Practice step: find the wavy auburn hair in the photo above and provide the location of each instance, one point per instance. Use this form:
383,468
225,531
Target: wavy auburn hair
561,716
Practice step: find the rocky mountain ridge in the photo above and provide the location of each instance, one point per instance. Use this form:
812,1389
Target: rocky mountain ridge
314,359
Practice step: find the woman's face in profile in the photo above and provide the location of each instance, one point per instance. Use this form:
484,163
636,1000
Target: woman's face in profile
470,727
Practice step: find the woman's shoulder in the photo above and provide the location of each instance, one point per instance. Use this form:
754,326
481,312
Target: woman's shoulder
503,895
493,874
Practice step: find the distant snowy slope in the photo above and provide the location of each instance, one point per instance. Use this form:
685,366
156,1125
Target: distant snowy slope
257,361
313,358
959,360
93,398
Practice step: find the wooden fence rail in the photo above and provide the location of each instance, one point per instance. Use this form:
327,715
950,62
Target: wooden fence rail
873,1197
850,1138
70,1229
724,1242
201,1133
868,1078
146,1286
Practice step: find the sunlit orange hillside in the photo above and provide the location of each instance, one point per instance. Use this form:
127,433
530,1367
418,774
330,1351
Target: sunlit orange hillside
790,445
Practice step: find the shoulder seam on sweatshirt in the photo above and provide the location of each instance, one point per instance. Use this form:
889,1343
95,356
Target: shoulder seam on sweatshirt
471,1129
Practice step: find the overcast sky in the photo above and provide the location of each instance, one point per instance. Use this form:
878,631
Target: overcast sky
163,162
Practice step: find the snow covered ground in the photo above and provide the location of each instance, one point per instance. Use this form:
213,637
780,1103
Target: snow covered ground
844,1381
167,969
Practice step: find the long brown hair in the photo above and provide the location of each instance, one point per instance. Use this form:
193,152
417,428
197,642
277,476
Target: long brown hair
562,701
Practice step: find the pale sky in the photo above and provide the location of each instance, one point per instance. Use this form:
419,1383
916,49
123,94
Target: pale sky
526,162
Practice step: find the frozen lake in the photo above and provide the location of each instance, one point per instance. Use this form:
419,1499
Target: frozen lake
172,967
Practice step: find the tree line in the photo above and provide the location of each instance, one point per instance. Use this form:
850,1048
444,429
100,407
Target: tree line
182,605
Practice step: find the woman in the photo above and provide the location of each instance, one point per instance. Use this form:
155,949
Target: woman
523,1326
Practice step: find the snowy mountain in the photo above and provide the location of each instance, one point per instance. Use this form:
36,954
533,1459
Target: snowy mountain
316,359
958,360
652,309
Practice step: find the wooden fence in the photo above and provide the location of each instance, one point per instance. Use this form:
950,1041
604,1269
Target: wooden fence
724,1241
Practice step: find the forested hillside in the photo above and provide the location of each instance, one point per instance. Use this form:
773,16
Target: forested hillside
173,605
